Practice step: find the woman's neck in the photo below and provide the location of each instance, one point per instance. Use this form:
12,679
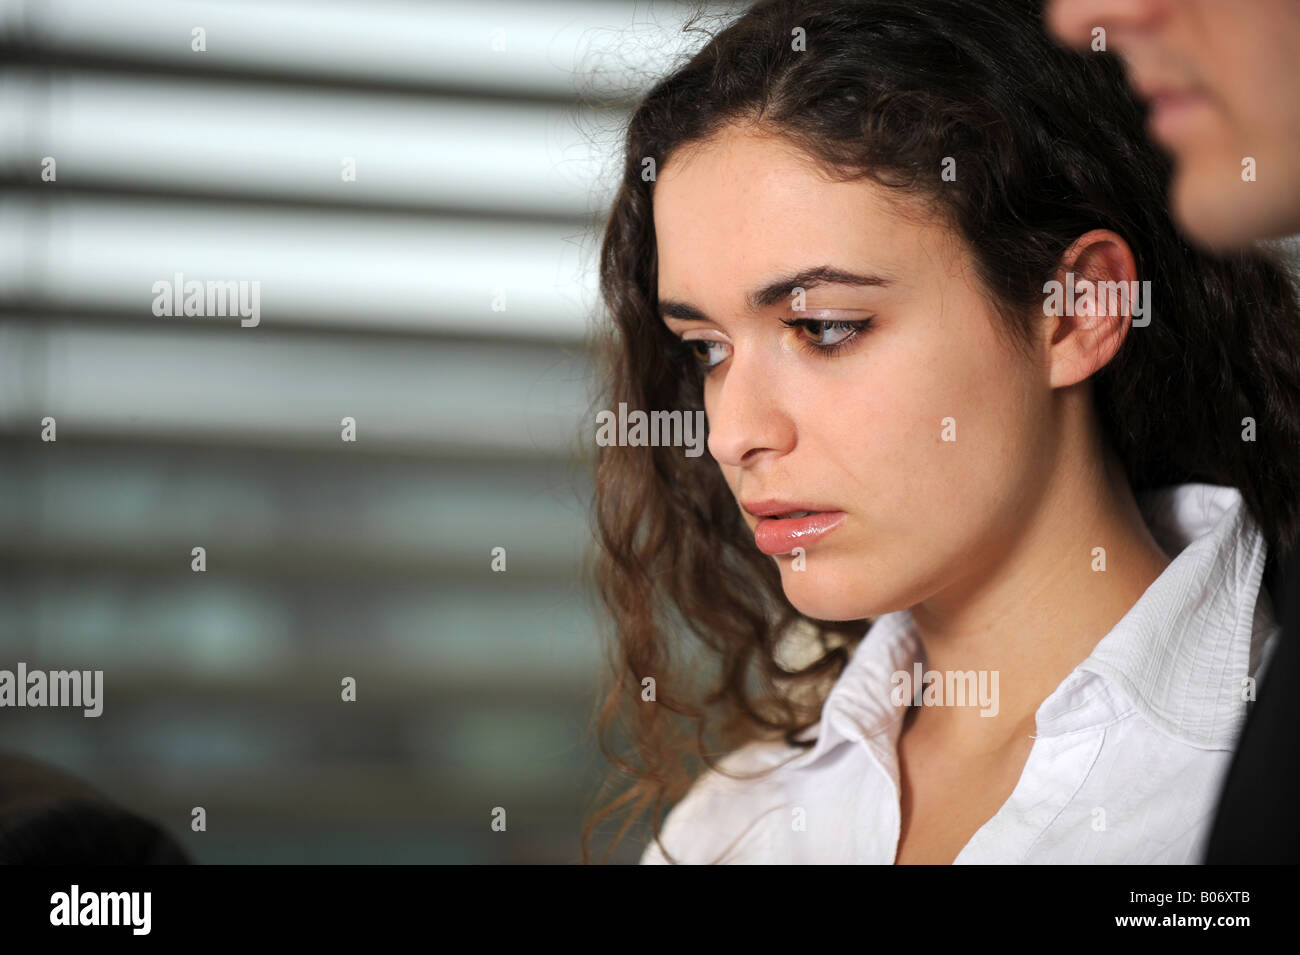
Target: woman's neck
1034,607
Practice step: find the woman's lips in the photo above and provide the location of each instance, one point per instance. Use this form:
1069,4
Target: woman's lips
780,535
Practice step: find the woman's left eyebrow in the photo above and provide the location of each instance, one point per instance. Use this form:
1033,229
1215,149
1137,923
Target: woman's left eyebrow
779,289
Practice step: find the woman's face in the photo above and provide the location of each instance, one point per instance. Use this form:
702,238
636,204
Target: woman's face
918,440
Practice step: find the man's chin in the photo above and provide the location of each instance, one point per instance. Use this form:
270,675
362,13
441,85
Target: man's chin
1221,212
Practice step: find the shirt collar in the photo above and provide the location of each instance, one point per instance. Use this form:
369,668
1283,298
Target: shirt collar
1182,652
1179,656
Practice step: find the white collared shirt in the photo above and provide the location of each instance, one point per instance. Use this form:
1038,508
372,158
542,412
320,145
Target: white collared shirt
1129,752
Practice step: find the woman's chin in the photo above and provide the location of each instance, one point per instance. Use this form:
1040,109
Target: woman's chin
822,600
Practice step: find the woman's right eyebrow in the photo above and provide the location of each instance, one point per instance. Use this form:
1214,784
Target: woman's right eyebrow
775,291
671,309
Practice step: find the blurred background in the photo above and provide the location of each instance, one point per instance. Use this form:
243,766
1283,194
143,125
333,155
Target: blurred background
418,188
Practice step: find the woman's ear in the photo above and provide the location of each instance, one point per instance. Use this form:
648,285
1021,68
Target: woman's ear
1090,304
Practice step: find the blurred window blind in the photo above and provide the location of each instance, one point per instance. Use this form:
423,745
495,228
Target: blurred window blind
415,191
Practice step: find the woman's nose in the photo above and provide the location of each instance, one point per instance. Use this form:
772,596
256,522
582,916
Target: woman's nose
747,416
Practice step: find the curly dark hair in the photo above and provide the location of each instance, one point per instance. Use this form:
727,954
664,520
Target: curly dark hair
1050,144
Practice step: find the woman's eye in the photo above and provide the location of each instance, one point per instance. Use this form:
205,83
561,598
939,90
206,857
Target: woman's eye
823,338
828,333
706,351
827,336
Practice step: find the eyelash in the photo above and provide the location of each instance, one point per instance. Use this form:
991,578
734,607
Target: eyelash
827,351
857,328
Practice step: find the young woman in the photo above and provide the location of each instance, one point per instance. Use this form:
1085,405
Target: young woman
975,568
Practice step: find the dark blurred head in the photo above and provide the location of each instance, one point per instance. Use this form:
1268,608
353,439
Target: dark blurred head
48,817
